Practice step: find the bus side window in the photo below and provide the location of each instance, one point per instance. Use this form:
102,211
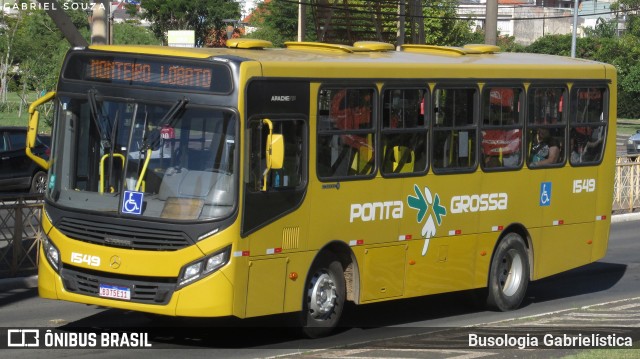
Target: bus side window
454,131
588,125
501,135
547,131
404,134
346,137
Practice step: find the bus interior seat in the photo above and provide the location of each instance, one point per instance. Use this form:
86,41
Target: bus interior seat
399,159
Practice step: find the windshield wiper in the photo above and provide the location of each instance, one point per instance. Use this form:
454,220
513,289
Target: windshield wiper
153,141
98,120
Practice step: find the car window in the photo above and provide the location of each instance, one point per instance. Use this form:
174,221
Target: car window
18,140
3,143
44,140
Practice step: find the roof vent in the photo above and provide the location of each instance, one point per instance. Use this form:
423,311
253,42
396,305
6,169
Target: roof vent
248,44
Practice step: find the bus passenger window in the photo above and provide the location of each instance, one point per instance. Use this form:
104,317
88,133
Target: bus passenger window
501,135
345,133
546,136
454,130
404,135
588,125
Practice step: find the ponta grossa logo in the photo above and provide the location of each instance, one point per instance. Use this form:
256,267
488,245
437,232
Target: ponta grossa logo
429,207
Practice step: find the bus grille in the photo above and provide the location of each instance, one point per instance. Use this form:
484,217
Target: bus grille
123,236
143,290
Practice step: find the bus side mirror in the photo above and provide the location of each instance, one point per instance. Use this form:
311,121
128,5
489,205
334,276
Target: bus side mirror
274,152
34,118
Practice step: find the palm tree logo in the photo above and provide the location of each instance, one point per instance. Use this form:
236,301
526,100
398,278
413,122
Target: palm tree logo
425,204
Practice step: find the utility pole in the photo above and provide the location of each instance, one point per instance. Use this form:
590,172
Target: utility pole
491,23
100,23
302,19
401,19
420,20
575,29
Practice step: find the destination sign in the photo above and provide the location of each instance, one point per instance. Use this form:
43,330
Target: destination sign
150,73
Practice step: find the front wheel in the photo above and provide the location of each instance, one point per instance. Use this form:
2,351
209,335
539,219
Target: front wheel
509,274
324,296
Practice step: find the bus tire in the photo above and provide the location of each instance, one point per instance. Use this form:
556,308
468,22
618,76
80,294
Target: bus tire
324,296
509,274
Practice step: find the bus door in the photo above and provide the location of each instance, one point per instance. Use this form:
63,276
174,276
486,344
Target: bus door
275,181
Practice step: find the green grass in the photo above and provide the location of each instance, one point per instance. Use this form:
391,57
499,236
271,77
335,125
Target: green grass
9,112
633,353
627,127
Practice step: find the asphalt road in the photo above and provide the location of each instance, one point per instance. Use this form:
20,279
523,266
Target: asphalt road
614,278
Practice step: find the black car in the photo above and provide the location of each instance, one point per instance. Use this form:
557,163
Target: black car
17,171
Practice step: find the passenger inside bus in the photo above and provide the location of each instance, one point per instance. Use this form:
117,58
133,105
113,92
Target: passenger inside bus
545,151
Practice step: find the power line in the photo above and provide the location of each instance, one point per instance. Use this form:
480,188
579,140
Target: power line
394,16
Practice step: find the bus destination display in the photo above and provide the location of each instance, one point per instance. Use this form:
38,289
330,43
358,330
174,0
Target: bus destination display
143,72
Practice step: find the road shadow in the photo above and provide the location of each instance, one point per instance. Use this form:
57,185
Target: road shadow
282,331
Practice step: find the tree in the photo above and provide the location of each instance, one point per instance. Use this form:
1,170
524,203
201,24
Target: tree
277,21
199,16
34,49
442,27
133,34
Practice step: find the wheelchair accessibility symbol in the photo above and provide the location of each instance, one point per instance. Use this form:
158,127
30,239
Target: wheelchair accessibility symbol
132,203
545,194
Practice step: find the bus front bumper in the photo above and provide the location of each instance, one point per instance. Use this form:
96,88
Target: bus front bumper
211,296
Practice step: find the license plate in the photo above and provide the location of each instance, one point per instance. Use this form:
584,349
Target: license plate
115,292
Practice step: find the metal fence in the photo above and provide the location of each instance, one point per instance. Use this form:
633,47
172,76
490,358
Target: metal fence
626,190
20,233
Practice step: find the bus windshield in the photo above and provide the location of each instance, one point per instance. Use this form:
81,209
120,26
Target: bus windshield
162,160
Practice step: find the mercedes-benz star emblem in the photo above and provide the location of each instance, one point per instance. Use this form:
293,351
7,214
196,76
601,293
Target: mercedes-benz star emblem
115,262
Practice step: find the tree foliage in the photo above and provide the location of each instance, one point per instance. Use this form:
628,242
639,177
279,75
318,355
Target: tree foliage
33,48
133,34
199,16
277,21
442,27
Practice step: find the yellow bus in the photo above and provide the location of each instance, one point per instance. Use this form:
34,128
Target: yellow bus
251,181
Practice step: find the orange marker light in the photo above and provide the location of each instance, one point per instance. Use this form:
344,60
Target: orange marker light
293,275
483,253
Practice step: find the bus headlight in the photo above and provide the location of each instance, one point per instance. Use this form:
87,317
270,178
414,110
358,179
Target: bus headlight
51,253
203,267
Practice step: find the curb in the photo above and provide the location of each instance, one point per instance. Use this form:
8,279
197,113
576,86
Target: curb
626,217
8,284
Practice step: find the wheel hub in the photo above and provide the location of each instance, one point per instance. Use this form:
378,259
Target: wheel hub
322,296
510,272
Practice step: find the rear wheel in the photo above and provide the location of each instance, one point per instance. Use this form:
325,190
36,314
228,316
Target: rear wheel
38,182
509,274
324,296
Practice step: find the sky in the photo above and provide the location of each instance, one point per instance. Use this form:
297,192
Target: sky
248,5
